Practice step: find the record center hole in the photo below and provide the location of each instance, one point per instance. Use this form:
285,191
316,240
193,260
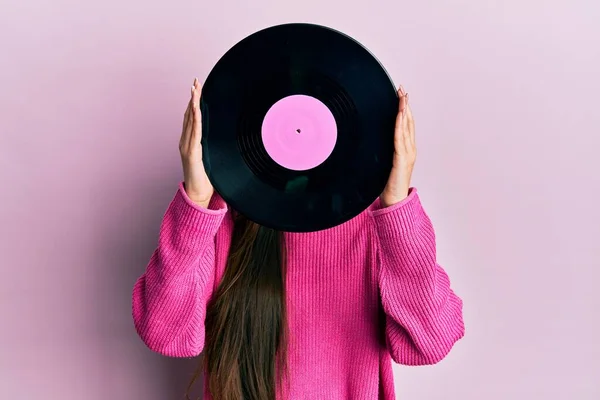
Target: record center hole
298,131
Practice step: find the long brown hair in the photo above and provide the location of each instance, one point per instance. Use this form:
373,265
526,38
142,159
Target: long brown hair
244,352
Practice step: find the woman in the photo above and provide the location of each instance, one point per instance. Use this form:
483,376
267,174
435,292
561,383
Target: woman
297,315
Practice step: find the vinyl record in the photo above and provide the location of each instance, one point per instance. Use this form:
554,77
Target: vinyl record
297,127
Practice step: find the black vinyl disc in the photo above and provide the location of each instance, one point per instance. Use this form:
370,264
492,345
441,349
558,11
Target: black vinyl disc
320,66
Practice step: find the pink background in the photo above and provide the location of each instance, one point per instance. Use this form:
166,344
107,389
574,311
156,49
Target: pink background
505,94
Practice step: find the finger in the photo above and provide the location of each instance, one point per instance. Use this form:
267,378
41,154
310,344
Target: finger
411,124
399,145
196,129
405,116
187,112
401,91
186,118
405,122
189,121
401,108
188,109
400,121
406,137
402,97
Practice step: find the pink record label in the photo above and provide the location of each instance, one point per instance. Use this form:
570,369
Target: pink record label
299,132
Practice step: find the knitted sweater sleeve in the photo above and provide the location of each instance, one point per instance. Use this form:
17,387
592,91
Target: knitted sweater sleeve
423,315
169,299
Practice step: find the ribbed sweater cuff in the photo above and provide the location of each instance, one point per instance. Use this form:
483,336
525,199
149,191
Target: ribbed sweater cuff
216,206
188,227
407,237
399,218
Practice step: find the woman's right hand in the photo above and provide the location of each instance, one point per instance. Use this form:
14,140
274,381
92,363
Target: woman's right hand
197,185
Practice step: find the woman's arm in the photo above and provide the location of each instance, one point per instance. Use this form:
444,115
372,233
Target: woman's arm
423,315
170,298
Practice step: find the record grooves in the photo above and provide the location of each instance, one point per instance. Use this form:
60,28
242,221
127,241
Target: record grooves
251,146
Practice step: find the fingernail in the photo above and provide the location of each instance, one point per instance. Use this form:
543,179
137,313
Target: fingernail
407,97
401,89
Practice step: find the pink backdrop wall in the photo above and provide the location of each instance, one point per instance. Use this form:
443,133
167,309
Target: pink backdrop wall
505,94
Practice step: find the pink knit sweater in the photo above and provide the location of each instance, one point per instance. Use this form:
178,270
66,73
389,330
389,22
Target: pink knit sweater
358,295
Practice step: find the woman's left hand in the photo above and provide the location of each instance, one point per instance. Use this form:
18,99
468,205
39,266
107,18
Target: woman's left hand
405,154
